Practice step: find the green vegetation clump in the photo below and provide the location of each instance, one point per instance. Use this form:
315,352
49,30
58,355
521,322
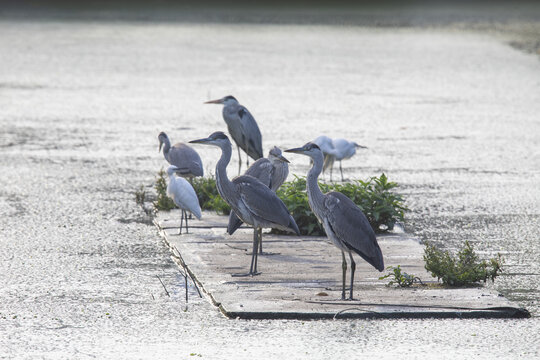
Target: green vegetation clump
382,207
375,197
162,202
209,198
402,279
462,270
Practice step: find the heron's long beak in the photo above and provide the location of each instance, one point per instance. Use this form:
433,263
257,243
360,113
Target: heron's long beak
283,158
299,150
360,146
217,101
200,141
160,145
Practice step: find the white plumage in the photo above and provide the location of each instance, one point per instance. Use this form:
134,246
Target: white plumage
336,149
183,195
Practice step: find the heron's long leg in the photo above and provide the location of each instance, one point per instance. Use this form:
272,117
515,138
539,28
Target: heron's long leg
253,266
353,268
186,217
344,267
341,170
239,159
181,221
255,249
260,241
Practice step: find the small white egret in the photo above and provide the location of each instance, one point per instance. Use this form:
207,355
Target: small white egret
183,195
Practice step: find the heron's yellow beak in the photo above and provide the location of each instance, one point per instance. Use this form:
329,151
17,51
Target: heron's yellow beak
200,141
217,101
299,150
283,158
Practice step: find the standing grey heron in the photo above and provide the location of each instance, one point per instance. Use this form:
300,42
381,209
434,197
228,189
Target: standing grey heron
345,224
272,172
242,127
183,195
182,156
343,149
252,201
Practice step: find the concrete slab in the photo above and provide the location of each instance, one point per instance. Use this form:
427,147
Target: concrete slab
301,277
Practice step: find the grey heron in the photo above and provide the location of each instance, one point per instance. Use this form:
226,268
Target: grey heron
344,223
242,127
183,195
181,155
252,201
272,172
343,149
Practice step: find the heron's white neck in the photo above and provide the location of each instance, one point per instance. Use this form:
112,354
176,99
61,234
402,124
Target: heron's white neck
166,147
315,195
223,184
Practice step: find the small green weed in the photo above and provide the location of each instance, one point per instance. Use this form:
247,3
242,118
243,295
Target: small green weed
209,198
463,270
163,202
402,279
382,207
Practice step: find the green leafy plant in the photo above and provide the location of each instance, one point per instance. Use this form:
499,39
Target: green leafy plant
209,198
463,269
402,279
162,202
382,207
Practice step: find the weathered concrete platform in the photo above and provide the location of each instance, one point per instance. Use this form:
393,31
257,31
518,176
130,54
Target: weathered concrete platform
301,277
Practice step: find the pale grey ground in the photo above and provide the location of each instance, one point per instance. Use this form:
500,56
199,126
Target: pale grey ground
451,113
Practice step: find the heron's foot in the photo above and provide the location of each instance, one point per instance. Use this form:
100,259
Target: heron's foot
247,274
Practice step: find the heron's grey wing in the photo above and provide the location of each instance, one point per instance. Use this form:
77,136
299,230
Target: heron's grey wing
262,170
251,134
263,202
279,175
234,223
352,227
186,159
234,126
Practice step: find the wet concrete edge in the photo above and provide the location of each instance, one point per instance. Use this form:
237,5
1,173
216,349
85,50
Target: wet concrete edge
451,313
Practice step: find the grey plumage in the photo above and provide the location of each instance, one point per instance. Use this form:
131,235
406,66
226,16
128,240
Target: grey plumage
345,224
182,156
252,201
272,172
242,127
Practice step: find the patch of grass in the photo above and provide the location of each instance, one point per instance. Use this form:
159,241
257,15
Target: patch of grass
209,198
464,269
162,202
402,279
382,207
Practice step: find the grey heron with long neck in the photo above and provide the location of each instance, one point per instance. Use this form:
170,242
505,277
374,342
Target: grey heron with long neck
272,171
344,223
183,157
252,201
242,127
